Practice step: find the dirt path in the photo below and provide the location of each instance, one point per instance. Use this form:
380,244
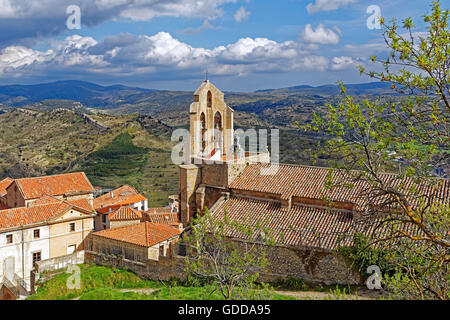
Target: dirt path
141,291
314,295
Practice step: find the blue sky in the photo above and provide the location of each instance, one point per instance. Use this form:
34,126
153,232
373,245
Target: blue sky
168,44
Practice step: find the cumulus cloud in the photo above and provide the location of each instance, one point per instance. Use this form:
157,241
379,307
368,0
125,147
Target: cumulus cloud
321,35
159,55
241,15
327,5
205,26
23,21
342,63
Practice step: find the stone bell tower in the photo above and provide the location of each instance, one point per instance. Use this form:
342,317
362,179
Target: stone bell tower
211,123
215,158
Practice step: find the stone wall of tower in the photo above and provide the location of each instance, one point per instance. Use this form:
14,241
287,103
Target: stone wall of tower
189,180
209,101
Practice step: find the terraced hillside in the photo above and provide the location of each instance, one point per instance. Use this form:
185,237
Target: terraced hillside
112,150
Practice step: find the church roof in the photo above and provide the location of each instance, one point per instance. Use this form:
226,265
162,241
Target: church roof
307,182
298,226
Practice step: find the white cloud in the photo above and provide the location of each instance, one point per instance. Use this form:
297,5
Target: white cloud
342,63
241,15
321,35
327,5
205,26
25,20
160,55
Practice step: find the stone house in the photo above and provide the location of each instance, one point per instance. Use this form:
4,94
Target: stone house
42,231
123,216
70,186
136,242
125,196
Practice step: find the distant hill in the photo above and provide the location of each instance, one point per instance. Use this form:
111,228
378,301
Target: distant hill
109,97
85,92
372,88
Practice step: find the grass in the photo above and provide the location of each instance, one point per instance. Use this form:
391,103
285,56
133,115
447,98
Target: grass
166,293
102,283
91,277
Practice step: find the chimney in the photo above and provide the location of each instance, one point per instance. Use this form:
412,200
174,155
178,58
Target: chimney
111,194
286,202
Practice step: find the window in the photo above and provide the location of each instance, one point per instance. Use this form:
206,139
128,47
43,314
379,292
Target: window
209,99
36,257
9,238
104,218
37,233
72,227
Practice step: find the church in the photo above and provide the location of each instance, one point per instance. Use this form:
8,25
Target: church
308,220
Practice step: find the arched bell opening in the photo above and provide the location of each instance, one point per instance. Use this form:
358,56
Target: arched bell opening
203,130
218,132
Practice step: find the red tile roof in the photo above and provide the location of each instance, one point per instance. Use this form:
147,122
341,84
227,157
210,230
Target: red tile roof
80,203
298,226
161,215
5,183
125,213
63,184
310,182
39,213
144,234
123,196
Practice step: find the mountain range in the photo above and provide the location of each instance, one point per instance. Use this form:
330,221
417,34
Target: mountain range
108,97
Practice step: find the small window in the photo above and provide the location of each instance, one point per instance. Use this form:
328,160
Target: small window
104,218
37,233
36,257
9,238
72,227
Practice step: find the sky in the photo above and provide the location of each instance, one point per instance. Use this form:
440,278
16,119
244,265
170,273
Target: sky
244,45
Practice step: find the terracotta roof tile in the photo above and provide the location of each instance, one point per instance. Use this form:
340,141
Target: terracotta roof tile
29,215
310,182
161,215
63,184
5,183
80,203
123,196
144,234
125,213
298,226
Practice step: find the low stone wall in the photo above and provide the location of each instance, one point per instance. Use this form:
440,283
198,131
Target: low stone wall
165,268
59,262
312,266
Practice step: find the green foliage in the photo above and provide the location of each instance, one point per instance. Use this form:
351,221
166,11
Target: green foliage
409,138
290,283
119,158
230,267
363,254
